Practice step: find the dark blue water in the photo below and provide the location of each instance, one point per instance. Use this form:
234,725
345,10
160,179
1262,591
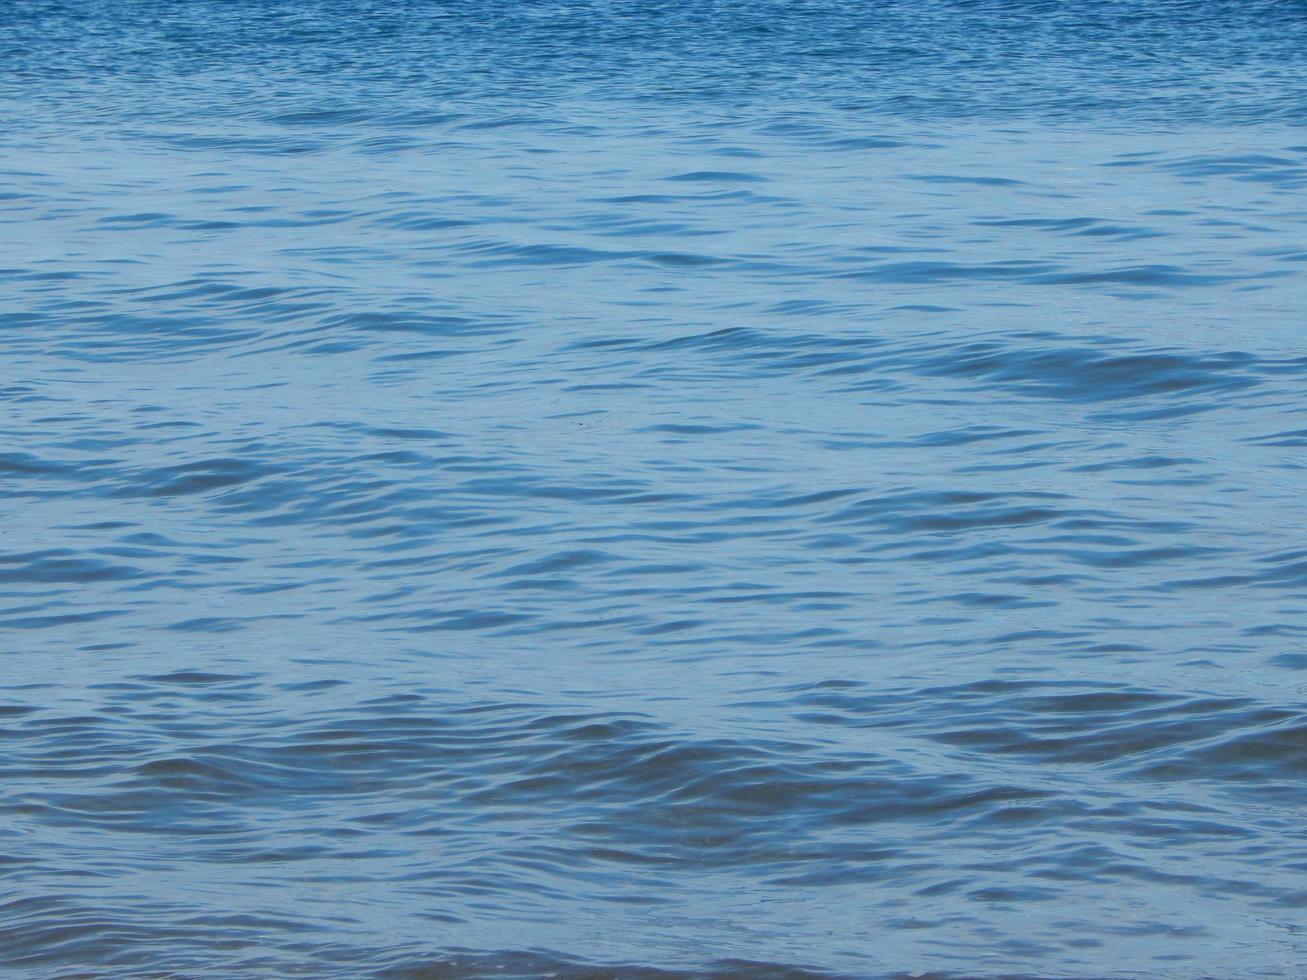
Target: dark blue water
600,489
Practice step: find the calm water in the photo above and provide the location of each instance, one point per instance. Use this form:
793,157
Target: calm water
635,489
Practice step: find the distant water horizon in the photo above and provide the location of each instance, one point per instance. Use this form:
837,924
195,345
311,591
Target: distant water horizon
656,490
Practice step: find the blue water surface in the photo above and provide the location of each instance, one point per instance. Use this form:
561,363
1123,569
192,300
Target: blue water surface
597,488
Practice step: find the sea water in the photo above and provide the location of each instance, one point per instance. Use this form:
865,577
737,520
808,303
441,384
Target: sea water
653,489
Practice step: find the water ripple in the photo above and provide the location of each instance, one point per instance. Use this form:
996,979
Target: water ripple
653,490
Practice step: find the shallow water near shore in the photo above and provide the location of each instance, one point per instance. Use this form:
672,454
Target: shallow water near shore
660,490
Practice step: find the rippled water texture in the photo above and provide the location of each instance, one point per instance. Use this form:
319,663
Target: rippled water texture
599,489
